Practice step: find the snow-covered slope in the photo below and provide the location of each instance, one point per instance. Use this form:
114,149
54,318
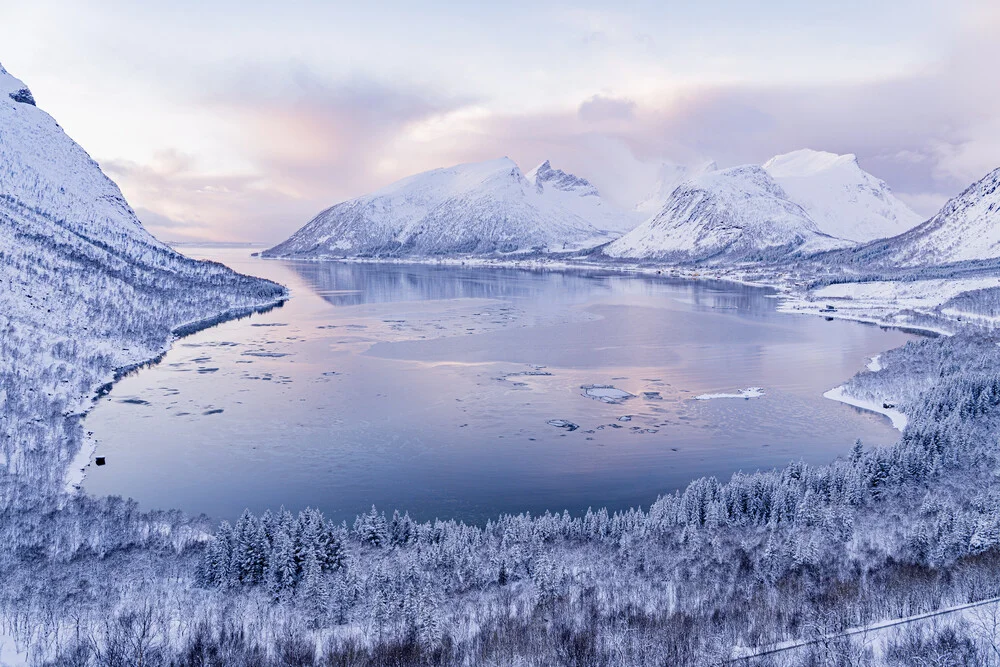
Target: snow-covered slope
966,228
737,214
844,200
84,289
578,196
470,209
669,176
49,172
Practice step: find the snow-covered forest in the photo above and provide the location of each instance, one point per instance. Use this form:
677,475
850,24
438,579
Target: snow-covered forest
753,561
716,574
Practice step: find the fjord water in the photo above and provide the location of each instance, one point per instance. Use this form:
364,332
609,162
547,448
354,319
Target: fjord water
431,388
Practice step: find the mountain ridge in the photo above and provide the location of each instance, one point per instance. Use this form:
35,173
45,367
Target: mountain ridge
480,208
966,228
843,199
736,214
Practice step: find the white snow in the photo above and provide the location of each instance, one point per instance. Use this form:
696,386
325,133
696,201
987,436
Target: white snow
966,228
875,363
76,472
605,392
840,394
902,294
578,197
844,200
737,214
10,654
914,304
669,175
871,630
84,289
470,209
749,392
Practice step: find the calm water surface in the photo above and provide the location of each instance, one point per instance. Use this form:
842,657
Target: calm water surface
430,389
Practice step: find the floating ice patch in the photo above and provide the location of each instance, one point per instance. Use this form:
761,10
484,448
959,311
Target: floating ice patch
625,418
749,392
605,392
652,396
562,423
536,371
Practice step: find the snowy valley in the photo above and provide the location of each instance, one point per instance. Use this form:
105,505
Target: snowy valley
715,573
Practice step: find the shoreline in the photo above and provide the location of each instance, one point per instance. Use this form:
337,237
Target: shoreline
792,298
76,471
839,394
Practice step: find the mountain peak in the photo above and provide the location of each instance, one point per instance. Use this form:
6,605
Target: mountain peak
843,199
807,162
14,88
481,208
965,229
668,176
544,176
736,214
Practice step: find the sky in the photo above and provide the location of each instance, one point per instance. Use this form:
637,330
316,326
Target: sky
239,121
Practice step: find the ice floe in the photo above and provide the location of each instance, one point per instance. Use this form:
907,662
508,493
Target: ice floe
563,423
606,393
749,392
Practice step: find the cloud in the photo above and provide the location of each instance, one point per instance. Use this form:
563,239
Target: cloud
179,202
314,135
929,132
303,141
600,108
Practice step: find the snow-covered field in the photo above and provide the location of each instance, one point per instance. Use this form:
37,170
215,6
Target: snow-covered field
913,304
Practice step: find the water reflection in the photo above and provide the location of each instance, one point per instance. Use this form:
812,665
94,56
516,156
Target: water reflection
417,387
350,284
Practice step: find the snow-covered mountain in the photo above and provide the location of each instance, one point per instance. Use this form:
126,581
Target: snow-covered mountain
732,214
842,199
45,170
84,289
470,209
668,176
966,228
578,196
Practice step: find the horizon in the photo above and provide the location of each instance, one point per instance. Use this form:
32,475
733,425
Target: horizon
244,139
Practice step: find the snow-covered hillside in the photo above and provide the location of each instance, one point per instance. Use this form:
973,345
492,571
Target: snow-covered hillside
47,172
966,228
733,214
842,199
668,176
470,209
84,289
578,196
